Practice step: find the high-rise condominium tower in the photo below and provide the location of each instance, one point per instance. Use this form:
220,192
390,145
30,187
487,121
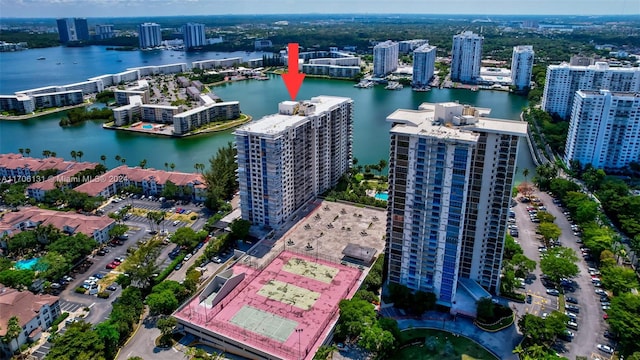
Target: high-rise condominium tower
564,80
149,35
450,179
466,57
424,62
287,159
385,58
604,129
70,29
521,66
193,35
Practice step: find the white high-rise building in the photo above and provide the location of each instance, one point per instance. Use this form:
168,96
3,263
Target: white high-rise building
466,57
385,58
564,80
604,129
194,35
407,46
522,66
149,35
451,174
286,159
104,31
424,63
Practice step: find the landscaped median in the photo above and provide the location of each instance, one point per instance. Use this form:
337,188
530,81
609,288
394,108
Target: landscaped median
417,344
493,317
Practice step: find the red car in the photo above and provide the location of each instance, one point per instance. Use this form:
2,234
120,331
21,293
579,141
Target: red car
112,265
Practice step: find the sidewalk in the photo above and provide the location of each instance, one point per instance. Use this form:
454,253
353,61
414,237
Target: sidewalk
500,343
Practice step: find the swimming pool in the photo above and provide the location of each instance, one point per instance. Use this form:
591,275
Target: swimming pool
384,196
26,264
147,126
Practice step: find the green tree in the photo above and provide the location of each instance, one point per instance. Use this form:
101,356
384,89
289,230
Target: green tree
240,228
545,217
593,178
549,232
597,238
185,236
623,319
53,265
74,155
118,230
143,163
522,265
164,302
355,316
104,159
108,333
13,331
170,190
560,262
378,341
78,342
80,154
166,325
619,279
141,265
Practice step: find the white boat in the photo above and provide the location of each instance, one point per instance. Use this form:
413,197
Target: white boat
364,84
393,85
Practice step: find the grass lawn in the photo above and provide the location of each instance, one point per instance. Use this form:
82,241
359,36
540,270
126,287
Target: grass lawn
464,349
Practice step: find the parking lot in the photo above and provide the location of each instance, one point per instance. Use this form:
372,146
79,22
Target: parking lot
588,313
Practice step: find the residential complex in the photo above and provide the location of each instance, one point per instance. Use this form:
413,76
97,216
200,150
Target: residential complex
149,35
71,30
209,111
335,71
150,181
604,129
385,58
564,80
96,227
466,57
104,32
451,173
522,66
407,46
194,35
287,159
35,314
424,62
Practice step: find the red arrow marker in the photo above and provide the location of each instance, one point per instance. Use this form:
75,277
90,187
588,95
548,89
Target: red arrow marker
293,79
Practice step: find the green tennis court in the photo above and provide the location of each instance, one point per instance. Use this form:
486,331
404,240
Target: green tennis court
264,323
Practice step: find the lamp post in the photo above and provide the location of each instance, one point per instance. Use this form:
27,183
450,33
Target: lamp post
299,331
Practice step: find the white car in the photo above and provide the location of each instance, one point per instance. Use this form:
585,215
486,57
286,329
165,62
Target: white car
186,258
553,292
605,348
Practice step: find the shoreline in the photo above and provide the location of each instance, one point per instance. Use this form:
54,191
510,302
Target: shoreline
44,113
209,130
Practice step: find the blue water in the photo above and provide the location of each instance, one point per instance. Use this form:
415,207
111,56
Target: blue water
26,264
147,126
382,196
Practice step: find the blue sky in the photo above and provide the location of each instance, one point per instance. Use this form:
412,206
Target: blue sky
129,8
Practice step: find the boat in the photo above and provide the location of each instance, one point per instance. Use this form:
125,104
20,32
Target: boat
42,58
58,63
393,85
364,84
422,89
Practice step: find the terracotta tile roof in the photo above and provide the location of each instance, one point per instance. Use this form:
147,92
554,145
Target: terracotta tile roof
15,161
23,304
80,223
63,177
139,175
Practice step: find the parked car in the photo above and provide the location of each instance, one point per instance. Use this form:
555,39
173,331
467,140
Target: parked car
572,308
112,287
572,300
572,325
553,292
567,335
112,265
178,267
217,260
186,258
605,348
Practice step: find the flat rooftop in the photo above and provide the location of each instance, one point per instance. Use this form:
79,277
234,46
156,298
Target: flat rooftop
277,123
294,291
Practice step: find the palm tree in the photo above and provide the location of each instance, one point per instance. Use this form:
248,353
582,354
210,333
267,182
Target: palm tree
172,166
46,153
53,153
13,330
21,151
525,173
143,163
80,154
104,159
27,151
118,158
166,166
382,164
123,160
74,155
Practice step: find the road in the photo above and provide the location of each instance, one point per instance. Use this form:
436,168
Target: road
590,321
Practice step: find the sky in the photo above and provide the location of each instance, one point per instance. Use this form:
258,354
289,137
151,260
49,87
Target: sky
139,8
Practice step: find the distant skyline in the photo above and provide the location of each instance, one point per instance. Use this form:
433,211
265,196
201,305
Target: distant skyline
150,8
